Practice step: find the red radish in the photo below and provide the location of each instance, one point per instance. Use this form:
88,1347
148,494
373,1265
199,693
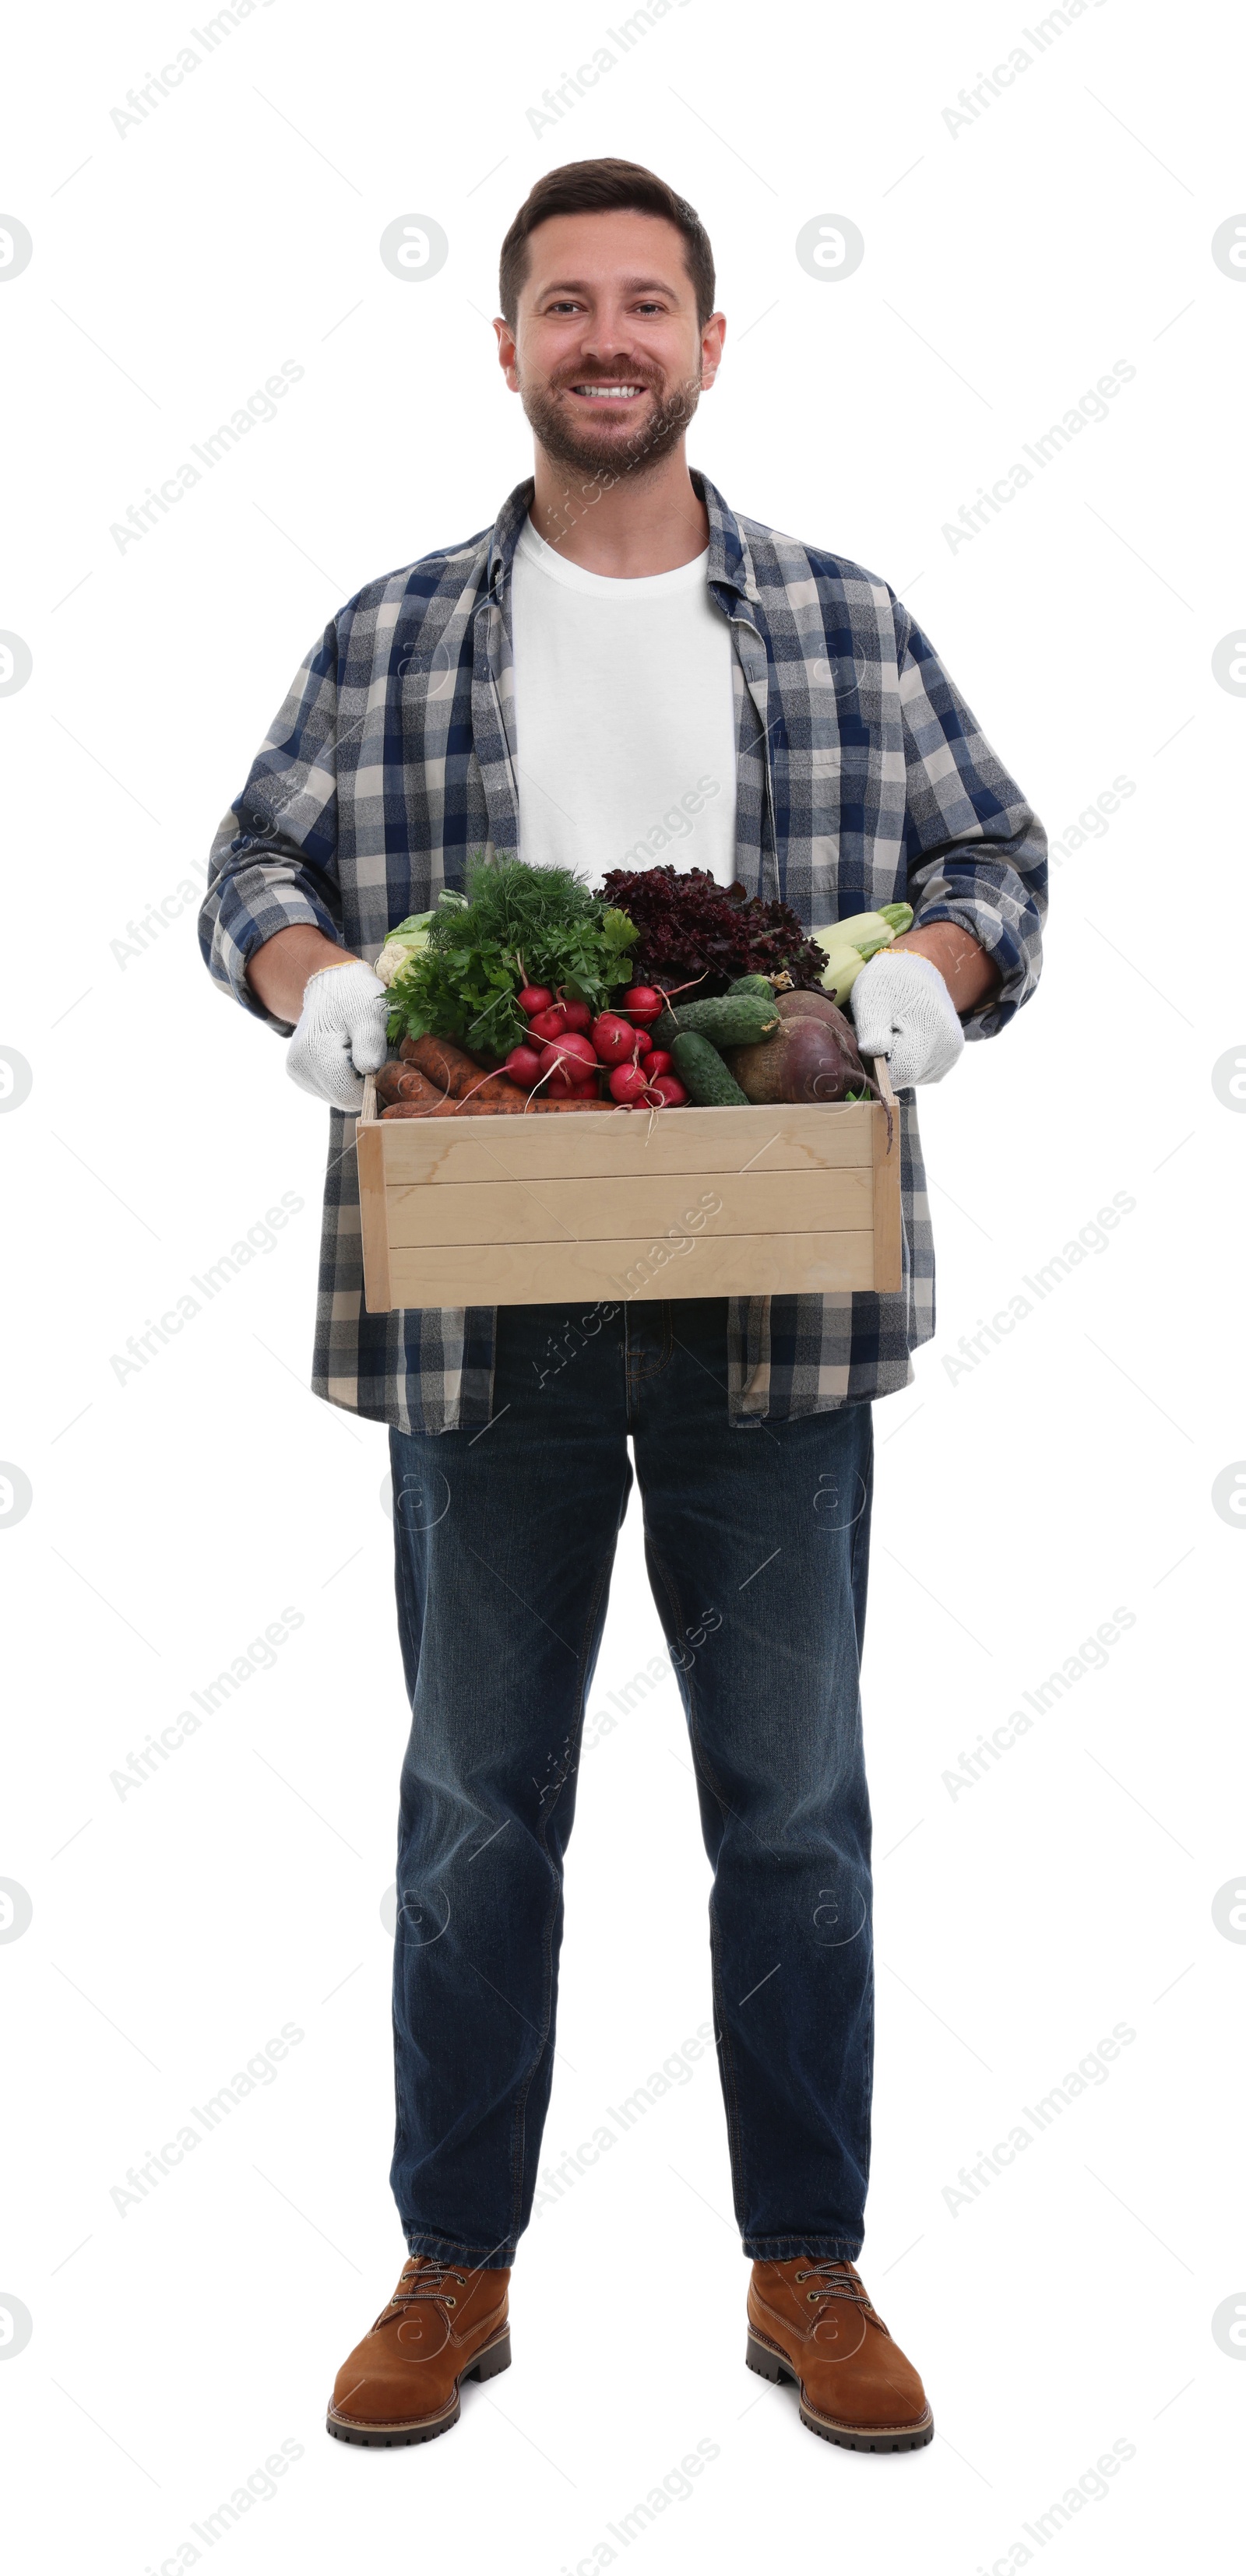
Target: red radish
523,1064
668,1088
657,1061
627,1083
614,1038
549,1023
573,1050
642,1002
534,998
576,1015
570,1079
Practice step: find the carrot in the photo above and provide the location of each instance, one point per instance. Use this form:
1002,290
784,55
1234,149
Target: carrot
452,1069
436,1106
539,1108
516,1107
405,1082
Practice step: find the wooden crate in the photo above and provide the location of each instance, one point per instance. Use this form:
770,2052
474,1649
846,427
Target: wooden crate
689,1203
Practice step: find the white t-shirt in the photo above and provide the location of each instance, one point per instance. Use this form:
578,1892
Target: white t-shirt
624,717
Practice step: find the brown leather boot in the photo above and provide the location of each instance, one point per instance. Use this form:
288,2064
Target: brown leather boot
401,2384
811,2321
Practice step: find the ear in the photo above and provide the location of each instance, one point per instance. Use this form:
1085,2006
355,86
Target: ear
712,338
507,354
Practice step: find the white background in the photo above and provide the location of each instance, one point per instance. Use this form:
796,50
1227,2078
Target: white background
1007,266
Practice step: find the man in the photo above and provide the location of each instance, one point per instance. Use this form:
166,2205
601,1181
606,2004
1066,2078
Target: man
616,648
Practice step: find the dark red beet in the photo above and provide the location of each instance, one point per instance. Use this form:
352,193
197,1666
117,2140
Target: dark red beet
808,1058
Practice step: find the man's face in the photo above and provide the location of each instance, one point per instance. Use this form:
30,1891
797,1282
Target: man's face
607,357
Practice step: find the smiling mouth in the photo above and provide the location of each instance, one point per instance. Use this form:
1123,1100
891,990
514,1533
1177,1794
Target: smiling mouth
607,393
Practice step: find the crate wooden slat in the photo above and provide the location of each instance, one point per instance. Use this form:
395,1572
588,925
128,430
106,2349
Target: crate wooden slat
559,1274
442,1150
755,1202
602,1211
887,1213
371,1141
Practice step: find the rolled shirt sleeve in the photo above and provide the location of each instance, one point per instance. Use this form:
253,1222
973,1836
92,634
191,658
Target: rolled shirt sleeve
274,859
975,849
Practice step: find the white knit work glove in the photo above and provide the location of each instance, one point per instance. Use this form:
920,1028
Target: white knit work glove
340,1035
901,1008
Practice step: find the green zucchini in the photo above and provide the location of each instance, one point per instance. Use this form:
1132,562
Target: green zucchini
704,1075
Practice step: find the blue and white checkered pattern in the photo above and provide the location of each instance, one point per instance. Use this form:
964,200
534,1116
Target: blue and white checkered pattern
861,779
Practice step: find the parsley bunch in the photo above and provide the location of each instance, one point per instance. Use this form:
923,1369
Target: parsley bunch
515,925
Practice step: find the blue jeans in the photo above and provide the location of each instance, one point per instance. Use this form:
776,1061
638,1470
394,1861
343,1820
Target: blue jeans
756,1541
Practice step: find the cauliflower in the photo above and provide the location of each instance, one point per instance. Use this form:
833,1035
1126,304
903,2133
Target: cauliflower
401,945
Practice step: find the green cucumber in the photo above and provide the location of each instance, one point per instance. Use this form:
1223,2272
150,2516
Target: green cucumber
736,1019
704,1075
758,987
730,1019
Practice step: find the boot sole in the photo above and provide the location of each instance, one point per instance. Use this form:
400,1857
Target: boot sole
493,2357
770,2363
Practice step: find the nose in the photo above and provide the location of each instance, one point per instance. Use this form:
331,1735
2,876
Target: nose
605,344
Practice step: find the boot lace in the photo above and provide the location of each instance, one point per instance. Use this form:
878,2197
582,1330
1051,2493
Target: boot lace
425,2278
839,2280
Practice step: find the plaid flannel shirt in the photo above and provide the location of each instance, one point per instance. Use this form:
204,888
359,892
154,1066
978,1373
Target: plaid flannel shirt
861,778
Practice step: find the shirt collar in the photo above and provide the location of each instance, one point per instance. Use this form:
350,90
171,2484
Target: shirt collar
730,564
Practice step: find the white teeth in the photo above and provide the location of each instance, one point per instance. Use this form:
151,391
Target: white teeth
609,393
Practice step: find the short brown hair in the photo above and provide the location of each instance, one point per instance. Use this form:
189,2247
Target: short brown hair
597,188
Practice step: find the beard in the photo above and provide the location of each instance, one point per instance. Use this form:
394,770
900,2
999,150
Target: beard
578,445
